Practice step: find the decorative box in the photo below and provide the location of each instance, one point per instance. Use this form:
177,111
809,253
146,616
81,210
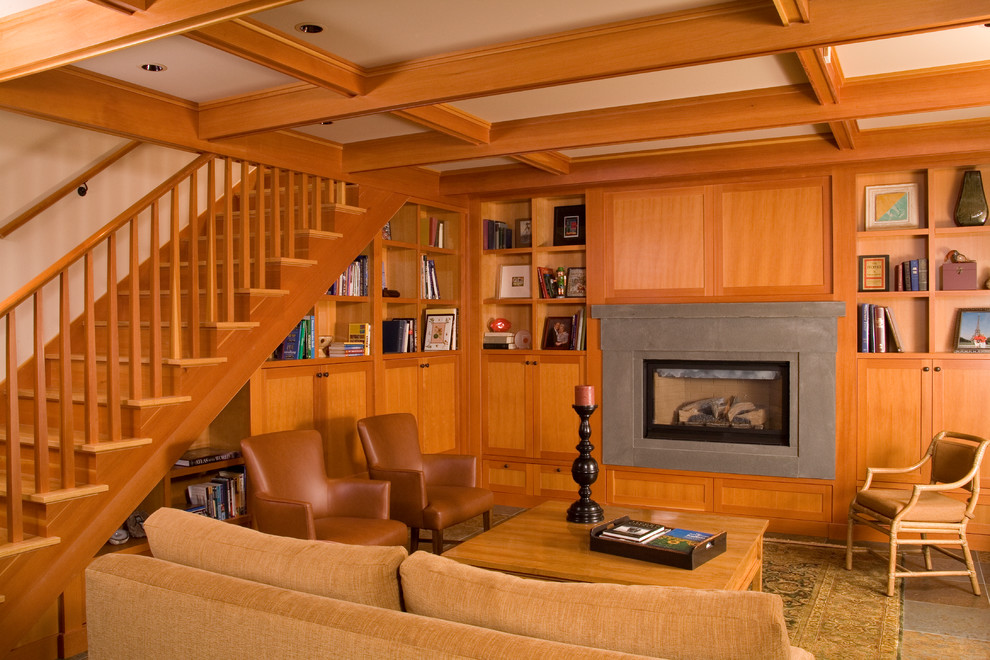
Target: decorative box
959,276
689,550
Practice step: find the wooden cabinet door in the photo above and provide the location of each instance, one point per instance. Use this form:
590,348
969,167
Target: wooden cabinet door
283,399
774,238
556,422
401,386
960,392
439,417
894,412
507,405
344,394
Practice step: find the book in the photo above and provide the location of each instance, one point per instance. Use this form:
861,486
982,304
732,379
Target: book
636,531
915,274
680,540
204,455
880,330
922,274
359,333
864,327
893,332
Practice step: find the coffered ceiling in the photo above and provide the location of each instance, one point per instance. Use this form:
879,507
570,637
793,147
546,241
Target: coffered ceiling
456,84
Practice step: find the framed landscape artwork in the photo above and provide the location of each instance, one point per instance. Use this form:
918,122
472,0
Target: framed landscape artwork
972,326
892,207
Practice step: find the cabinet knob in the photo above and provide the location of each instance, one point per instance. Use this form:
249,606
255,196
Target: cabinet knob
559,470
427,365
506,466
527,361
925,369
319,375
938,368
535,363
326,374
422,366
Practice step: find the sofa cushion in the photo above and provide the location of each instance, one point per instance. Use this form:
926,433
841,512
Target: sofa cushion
142,607
361,574
667,622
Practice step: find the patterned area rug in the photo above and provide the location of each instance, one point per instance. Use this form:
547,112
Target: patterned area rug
465,530
831,612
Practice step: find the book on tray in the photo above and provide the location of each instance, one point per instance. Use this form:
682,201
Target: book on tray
204,455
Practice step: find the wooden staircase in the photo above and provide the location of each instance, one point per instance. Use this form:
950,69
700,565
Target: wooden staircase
118,356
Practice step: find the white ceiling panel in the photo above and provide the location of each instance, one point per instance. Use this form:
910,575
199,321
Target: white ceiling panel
471,164
8,7
377,32
925,118
194,72
738,75
919,51
363,128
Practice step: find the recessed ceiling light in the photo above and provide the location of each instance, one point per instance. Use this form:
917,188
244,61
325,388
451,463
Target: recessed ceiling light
310,28
326,123
154,68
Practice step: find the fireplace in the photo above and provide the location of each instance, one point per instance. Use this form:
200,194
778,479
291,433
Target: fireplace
643,344
717,401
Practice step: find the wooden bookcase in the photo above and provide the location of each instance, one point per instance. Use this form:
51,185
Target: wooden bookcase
528,427
904,398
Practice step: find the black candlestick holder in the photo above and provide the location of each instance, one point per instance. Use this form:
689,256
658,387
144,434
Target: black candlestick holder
585,472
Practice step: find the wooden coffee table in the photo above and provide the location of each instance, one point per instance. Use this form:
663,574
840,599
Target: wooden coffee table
540,543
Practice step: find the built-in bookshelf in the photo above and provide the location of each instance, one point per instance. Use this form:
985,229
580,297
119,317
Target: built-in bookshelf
536,285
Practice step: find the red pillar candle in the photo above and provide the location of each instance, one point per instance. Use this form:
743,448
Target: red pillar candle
584,395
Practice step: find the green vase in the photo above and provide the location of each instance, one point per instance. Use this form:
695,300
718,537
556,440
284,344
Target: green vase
971,209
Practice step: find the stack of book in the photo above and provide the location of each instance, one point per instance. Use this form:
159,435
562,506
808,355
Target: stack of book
579,331
437,233
497,235
635,531
878,332
206,455
499,340
353,281
428,279
911,275
359,335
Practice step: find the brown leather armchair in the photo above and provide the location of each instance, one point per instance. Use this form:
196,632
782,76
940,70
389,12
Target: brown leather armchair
291,494
429,491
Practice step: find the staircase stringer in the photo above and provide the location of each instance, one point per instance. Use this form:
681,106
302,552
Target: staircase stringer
32,581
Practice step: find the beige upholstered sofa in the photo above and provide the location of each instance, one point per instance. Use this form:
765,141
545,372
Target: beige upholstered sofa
217,590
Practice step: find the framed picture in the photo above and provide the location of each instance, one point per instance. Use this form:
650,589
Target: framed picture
514,282
576,283
892,207
439,332
874,272
568,225
557,333
972,326
524,232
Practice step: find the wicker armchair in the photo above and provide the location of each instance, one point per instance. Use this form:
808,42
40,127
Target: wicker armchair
925,509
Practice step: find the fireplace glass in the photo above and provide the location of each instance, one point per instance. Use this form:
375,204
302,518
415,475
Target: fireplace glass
717,401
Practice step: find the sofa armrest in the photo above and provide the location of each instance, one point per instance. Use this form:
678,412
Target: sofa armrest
407,494
450,470
358,498
284,517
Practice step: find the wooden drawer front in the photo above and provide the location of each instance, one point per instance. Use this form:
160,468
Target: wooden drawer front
556,481
659,491
505,477
766,499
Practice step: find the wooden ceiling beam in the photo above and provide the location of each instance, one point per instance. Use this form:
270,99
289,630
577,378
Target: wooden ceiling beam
450,121
553,162
126,6
931,89
844,133
284,53
711,34
823,73
66,31
792,11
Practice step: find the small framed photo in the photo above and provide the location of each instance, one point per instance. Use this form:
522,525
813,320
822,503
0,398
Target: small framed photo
972,326
557,333
524,232
576,283
514,282
439,332
874,272
892,207
568,225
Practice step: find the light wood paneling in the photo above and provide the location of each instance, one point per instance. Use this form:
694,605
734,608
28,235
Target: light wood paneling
507,408
283,399
960,399
439,424
657,242
506,477
630,488
556,481
344,399
776,500
558,423
401,384
774,237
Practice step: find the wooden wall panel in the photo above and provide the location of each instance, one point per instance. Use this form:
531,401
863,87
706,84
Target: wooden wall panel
766,498
656,242
344,400
558,423
506,477
630,488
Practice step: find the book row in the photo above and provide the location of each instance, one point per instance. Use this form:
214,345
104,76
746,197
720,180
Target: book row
401,335
878,332
300,344
357,342
497,235
911,275
428,279
353,281
223,497
565,333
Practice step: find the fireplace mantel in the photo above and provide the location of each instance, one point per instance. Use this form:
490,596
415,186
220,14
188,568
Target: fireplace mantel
802,334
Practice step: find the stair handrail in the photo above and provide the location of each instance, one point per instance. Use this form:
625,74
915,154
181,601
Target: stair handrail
49,273
74,184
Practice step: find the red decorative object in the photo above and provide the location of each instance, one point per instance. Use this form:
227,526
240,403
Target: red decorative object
584,395
499,325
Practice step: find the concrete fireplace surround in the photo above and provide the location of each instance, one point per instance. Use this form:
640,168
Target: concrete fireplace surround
803,334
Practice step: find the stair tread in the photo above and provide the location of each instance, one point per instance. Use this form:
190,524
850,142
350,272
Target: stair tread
101,399
78,440
237,291
27,545
125,359
56,494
